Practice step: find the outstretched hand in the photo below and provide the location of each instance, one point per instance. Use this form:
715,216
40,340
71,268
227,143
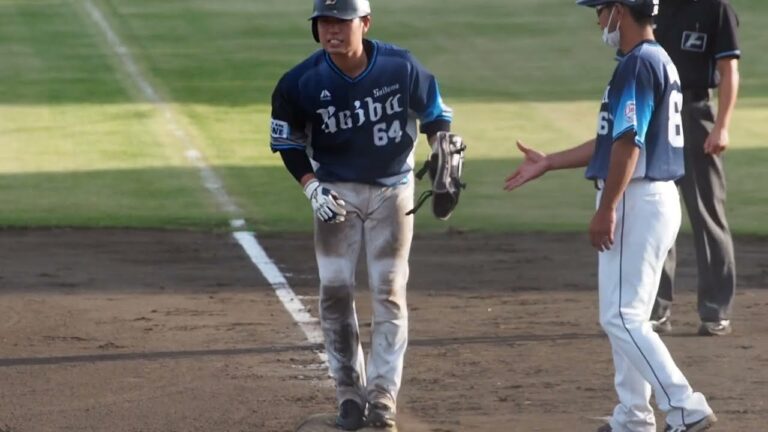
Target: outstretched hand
534,165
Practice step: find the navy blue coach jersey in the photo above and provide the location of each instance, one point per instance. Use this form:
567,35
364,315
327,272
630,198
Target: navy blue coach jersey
642,98
360,129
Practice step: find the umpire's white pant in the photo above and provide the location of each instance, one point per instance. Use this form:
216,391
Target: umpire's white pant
375,218
647,222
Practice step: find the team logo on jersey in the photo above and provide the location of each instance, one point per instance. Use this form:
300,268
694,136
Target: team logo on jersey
279,129
629,112
365,110
325,95
330,2
694,41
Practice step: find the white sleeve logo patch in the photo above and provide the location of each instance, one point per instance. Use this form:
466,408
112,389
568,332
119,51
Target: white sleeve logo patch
694,41
629,113
279,129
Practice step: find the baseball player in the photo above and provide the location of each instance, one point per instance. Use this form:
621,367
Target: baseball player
701,38
345,123
634,161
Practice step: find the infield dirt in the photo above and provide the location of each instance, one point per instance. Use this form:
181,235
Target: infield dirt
116,330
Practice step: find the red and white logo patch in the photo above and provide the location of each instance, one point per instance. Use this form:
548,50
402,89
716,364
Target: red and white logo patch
629,112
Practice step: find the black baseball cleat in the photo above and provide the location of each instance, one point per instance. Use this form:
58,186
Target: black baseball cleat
662,325
697,426
715,328
605,428
381,416
351,416
661,316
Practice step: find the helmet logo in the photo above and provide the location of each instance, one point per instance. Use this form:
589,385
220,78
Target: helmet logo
330,2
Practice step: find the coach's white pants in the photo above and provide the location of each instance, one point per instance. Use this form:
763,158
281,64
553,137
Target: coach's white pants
375,218
647,222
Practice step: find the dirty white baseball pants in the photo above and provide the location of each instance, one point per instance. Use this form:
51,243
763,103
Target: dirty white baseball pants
376,220
647,222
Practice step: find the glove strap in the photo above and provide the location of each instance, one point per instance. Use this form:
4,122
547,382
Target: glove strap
420,173
311,188
420,202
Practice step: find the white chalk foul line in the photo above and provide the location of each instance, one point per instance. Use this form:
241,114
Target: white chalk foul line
210,180
284,292
247,240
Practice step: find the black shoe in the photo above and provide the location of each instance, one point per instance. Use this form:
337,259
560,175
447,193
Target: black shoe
381,416
715,328
605,428
661,316
662,325
696,426
351,415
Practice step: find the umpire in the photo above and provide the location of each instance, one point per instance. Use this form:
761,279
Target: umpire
701,38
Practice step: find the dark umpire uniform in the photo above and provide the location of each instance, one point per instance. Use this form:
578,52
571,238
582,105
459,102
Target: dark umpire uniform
698,34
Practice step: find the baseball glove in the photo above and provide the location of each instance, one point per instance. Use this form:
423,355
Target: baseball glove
444,166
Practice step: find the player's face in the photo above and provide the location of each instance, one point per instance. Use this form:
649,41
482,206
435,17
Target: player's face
608,15
339,36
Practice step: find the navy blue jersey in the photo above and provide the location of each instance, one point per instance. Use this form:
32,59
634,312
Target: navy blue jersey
358,130
644,99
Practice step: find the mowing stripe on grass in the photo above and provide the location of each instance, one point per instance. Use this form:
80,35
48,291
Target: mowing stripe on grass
210,180
247,239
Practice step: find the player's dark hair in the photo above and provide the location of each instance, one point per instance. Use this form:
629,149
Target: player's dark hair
640,16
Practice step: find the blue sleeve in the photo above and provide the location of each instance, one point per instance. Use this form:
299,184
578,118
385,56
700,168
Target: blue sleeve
633,103
426,100
287,126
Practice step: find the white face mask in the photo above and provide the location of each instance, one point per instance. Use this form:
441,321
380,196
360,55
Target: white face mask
613,38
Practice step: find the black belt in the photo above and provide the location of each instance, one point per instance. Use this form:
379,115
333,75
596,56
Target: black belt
695,95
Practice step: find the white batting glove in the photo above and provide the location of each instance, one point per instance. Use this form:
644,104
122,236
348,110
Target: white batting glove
326,203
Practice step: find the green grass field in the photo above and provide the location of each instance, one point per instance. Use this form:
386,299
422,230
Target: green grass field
80,146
